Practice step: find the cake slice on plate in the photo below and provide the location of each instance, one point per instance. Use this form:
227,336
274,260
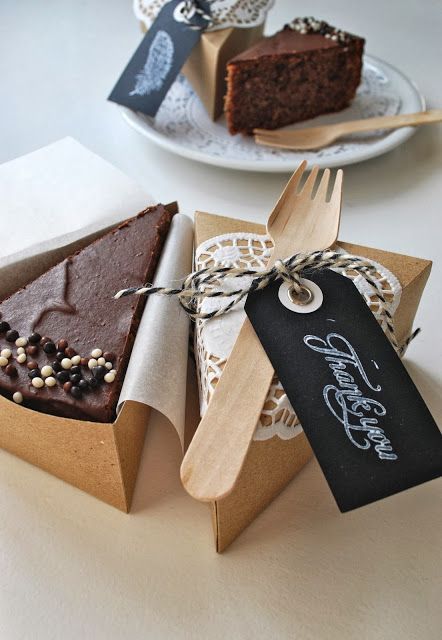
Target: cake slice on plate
307,69
65,342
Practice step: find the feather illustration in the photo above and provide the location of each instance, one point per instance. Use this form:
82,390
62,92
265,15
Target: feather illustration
158,64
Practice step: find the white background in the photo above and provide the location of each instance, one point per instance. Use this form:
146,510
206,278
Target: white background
71,567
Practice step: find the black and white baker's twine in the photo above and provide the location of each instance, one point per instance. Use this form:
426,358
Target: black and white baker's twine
206,283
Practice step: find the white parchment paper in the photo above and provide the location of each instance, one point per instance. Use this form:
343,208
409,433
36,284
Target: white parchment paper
67,196
157,370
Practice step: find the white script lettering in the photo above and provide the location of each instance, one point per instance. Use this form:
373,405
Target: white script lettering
358,414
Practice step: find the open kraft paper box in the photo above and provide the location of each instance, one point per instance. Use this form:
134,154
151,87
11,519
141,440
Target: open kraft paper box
271,464
80,196
99,458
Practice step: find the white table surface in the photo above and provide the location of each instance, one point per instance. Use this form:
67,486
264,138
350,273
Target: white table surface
72,567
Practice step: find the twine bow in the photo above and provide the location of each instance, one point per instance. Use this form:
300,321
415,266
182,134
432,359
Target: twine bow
207,283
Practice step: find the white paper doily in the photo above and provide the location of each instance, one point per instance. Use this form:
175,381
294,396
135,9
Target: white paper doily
225,13
215,338
182,126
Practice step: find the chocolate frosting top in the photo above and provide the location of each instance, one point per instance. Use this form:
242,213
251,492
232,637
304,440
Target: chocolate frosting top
283,42
291,40
74,301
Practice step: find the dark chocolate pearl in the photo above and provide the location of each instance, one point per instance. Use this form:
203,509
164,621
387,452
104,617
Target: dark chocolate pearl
11,335
63,376
62,344
32,364
70,353
34,338
76,392
60,355
75,378
67,386
4,326
32,350
49,347
93,383
44,340
56,366
83,385
84,362
10,370
75,369
109,356
35,373
99,372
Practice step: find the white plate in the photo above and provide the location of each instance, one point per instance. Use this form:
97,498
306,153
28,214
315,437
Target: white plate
183,126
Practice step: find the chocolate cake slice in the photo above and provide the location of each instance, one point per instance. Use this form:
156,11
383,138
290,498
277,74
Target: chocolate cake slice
307,69
65,342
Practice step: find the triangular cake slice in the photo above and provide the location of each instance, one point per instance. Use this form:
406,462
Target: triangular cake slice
306,69
65,342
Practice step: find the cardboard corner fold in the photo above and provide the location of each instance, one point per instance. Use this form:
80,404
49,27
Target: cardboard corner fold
206,67
270,465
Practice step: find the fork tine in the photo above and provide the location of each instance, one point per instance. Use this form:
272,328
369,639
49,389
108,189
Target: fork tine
321,191
310,182
336,195
290,189
330,211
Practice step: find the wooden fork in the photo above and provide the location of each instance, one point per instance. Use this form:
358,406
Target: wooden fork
318,137
300,222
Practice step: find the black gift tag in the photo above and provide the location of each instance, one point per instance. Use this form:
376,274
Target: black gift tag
369,427
160,56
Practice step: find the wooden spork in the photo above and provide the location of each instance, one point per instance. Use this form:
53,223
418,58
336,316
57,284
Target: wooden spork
319,137
301,221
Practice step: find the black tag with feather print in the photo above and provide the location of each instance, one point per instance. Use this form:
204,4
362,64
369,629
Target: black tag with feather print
159,58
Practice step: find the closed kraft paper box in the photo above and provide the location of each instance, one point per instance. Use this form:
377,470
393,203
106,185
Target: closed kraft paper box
271,464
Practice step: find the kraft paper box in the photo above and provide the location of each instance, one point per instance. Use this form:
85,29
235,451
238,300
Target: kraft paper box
272,463
99,458
206,66
79,197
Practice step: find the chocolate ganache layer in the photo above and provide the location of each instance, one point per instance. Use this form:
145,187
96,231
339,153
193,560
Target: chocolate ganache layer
65,342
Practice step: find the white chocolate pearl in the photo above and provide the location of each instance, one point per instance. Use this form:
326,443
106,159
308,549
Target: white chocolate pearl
17,397
114,371
46,371
66,363
50,381
108,365
76,360
20,350
37,383
101,361
21,342
92,363
3,361
96,353
21,358
6,353
109,377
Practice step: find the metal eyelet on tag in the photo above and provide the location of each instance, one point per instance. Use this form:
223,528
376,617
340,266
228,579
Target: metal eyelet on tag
309,299
184,12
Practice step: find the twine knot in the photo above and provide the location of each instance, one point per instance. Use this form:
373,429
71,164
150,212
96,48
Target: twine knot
208,283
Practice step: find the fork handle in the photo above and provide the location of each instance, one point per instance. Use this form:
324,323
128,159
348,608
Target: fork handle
391,122
216,454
